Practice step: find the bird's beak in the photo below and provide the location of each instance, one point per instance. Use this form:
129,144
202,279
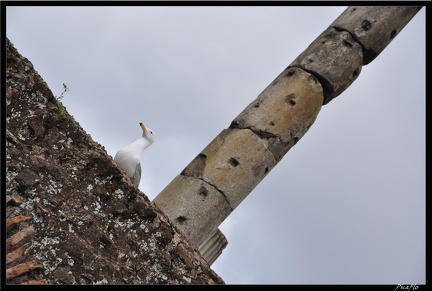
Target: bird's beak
143,126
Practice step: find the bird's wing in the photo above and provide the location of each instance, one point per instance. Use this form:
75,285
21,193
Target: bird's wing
137,174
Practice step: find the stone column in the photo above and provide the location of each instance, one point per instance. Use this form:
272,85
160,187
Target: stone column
204,194
213,246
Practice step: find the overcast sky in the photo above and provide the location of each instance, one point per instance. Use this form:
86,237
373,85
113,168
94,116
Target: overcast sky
346,205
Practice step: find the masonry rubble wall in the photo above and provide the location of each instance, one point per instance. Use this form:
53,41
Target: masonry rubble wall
72,216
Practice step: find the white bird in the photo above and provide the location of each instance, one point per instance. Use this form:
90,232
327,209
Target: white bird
128,157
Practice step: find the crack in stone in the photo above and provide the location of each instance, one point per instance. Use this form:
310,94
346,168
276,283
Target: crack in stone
196,169
328,89
367,54
261,133
210,184
272,139
341,29
275,146
219,190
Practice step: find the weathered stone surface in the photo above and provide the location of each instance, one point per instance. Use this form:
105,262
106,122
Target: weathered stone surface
236,161
374,26
231,166
196,207
88,223
284,111
335,58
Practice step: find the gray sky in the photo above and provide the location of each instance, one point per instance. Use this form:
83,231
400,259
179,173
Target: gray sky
346,205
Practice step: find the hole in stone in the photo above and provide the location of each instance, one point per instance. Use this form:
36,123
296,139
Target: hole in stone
181,219
271,123
393,34
256,105
203,191
201,155
290,73
233,162
290,99
366,25
234,124
266,170
356,73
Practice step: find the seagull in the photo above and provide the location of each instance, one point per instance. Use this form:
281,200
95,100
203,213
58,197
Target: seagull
128,157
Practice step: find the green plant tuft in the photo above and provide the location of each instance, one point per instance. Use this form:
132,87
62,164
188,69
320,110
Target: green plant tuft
60,107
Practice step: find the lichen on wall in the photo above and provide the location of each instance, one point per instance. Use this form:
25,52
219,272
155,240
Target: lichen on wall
73,216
